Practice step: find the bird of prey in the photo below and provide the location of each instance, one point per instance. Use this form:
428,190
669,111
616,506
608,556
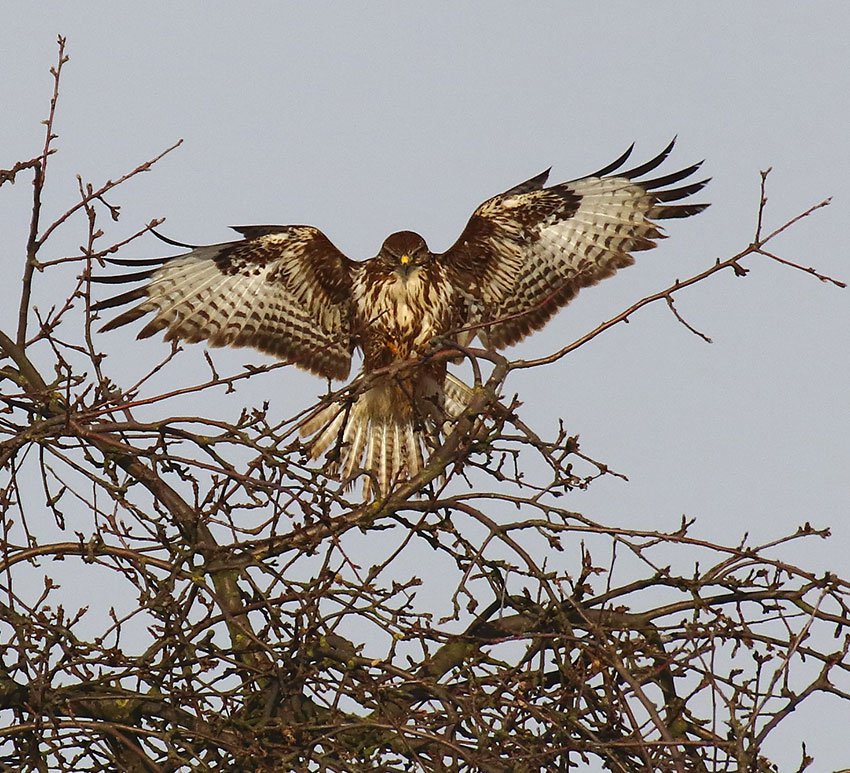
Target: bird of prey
288,291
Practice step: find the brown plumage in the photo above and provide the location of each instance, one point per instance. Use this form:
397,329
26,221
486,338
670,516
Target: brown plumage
287,291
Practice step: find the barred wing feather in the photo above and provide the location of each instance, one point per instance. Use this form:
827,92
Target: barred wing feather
526,253
285,290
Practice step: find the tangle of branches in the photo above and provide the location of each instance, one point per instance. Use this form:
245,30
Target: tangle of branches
182,592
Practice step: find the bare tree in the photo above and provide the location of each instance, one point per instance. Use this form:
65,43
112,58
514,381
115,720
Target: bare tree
254,636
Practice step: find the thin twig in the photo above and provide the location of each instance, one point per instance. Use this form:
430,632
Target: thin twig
33,242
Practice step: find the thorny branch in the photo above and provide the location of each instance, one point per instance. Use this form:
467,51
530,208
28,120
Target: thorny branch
245,614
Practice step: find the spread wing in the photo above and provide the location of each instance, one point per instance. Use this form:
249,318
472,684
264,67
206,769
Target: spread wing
285,290
526,252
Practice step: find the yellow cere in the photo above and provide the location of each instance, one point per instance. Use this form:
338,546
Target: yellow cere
405,259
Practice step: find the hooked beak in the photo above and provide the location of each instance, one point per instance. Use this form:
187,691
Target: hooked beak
405,264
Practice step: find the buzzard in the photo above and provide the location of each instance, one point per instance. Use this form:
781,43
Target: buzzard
288,291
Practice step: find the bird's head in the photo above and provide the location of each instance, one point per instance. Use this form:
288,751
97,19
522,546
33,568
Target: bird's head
403,251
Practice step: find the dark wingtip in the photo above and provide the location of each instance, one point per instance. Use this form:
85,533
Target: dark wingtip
172,242
669,179
670,212
675,194
651,164
131,315
115,279
136,262
256,231
120,300
615,164
532,184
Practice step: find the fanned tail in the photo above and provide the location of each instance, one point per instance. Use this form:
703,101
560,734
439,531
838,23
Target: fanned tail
380,435
374,435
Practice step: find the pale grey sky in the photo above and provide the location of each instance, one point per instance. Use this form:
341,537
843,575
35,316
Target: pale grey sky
364,118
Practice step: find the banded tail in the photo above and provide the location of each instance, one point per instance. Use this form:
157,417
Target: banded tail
382,435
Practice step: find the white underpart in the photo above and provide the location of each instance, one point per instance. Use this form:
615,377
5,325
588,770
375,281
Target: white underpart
394,308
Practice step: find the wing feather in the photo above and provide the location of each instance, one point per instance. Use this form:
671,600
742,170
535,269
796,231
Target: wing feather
285,290
615,164
649,166
528,251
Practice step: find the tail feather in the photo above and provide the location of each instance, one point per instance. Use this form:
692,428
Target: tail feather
356,436
383,450
414,450
456,395
331,419
371,453
398,453
379,436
